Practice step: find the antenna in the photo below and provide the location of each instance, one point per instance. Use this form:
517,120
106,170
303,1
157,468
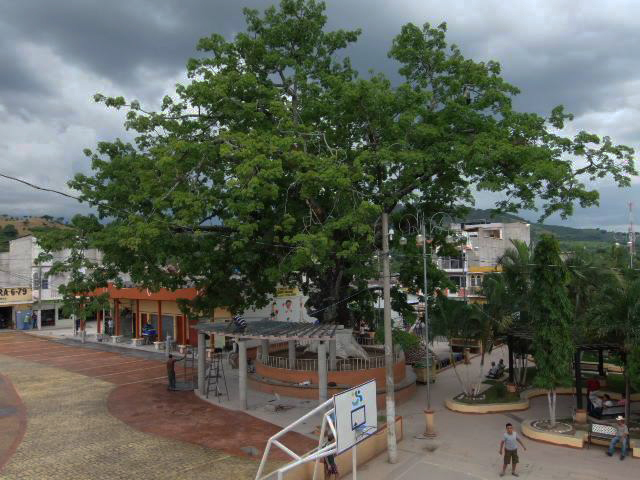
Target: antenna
632,236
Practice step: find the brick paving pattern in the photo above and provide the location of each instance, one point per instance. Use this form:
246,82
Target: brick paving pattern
70,433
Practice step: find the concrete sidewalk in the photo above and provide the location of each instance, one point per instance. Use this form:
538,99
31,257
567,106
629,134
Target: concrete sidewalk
467,444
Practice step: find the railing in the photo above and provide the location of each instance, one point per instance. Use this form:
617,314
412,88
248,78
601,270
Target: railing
450,263
342,364
366,341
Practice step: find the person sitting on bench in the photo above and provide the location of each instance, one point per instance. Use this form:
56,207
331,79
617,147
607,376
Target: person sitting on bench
606,401
493,371
595,403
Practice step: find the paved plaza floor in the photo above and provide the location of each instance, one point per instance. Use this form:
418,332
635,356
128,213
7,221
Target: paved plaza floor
84,412
466,447
92,414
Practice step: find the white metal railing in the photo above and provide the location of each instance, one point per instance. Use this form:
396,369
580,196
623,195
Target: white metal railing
342,364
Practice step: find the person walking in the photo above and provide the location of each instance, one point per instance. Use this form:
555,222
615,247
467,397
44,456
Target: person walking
171,371
510,442
622,435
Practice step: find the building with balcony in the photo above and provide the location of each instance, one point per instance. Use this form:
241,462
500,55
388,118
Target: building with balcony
481,247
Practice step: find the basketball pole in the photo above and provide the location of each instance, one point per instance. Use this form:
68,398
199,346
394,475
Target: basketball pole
354,462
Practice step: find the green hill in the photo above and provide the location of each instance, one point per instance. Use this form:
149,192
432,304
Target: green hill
12,227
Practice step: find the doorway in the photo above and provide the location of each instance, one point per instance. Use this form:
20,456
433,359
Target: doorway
6,320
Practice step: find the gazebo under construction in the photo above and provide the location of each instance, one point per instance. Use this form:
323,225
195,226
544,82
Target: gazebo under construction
337,362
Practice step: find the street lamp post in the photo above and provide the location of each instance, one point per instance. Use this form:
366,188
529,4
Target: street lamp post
421,240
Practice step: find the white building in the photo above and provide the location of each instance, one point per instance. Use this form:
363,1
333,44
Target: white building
482,246
28,293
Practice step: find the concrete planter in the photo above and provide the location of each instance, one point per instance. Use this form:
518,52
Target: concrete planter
117,338
138,342
421,374
159,345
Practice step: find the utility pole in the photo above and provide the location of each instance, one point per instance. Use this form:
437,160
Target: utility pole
39,297
388,345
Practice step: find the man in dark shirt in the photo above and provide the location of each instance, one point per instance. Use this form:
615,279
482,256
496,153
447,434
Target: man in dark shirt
171,370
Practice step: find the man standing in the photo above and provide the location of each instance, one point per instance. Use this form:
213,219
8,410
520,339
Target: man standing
622,435
171,371
510,446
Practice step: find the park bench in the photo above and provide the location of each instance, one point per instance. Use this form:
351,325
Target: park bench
601,431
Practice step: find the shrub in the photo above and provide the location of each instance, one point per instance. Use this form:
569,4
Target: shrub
501,390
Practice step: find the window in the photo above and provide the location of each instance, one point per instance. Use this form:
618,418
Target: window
40,282
495,233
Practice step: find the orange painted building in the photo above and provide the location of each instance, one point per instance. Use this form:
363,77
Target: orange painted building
132,308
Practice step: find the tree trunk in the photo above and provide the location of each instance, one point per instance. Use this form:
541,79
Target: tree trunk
525,369
465,390
627,393
478,383
551,398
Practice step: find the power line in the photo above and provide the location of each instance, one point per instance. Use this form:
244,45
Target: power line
38,187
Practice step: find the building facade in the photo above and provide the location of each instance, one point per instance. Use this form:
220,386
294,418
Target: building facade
482,246
131,309
29,296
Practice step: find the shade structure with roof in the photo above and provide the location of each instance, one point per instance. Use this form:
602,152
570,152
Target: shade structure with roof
303,360
524,338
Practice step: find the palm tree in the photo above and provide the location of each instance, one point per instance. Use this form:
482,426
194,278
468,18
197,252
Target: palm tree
516,265
455,319
615,317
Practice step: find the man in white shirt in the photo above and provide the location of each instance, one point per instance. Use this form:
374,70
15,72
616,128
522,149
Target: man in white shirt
510,442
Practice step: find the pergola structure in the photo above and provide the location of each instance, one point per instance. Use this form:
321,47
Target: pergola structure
581,346
268,331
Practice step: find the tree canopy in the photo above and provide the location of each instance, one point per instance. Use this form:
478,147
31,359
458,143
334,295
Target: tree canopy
274,162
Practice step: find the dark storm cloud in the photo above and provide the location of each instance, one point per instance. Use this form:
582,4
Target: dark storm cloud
55,55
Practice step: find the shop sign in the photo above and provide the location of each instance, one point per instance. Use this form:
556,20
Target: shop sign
287,292
15,295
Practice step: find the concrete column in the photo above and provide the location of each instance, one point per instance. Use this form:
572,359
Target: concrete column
292,354
264,349
39,319
333,361
56,315
202,361
242,374
601,363
322,371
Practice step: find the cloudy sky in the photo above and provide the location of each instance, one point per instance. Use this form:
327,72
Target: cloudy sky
56,55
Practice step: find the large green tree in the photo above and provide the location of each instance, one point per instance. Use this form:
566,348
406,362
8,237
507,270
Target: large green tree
552,319
274,163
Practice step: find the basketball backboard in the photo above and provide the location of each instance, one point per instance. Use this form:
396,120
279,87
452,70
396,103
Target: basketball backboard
356,415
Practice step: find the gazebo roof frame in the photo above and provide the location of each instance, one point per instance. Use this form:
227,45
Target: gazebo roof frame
272,330
526,334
